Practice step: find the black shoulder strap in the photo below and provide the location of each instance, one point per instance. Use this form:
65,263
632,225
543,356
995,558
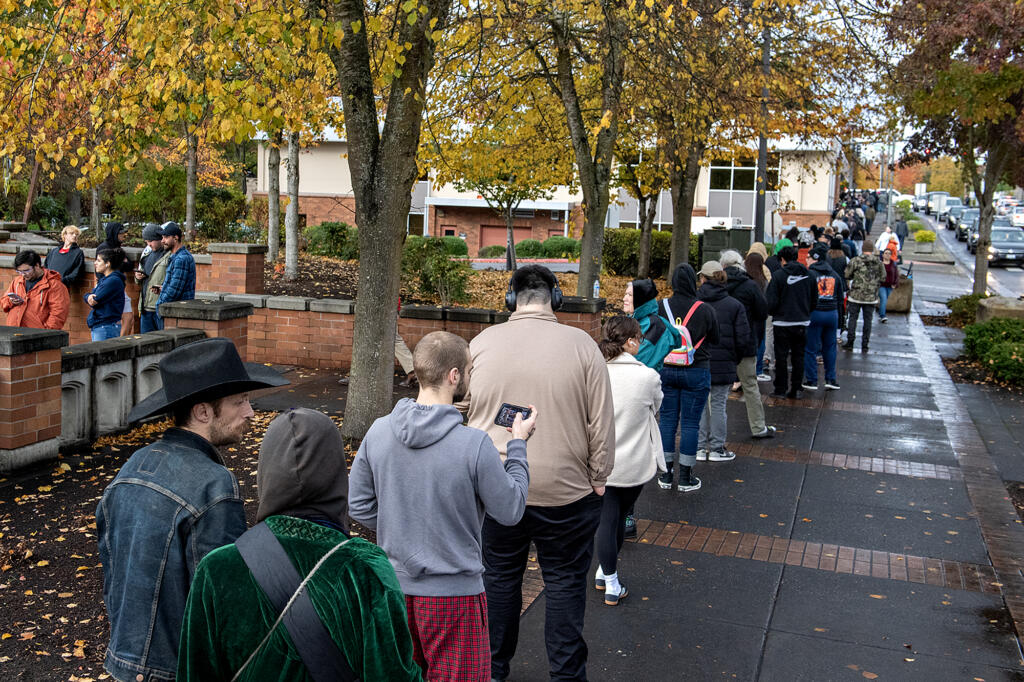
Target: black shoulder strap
656,329
279,580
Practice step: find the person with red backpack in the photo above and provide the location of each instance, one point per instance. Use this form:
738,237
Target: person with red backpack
685,378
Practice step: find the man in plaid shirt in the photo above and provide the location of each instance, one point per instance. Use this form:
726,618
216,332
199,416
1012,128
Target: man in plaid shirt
180,281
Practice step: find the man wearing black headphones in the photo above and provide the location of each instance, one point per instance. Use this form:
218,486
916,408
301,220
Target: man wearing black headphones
534,360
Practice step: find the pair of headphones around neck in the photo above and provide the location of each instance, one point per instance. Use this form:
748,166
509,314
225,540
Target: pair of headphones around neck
556,296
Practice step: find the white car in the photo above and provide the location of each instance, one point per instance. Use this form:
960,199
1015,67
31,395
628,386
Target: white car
1017,216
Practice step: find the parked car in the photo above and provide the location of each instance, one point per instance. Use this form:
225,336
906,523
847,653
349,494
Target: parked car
1007,247
933,199
954,214
997,222
965,222
945,205
1017,216
920,202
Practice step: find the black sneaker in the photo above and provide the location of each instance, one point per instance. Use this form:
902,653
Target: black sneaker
688,486
630,529
832,385
665,481
809,387
794,395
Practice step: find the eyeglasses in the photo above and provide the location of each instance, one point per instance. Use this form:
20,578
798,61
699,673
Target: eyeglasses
24,272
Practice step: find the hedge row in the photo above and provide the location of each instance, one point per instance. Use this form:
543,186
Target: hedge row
999,345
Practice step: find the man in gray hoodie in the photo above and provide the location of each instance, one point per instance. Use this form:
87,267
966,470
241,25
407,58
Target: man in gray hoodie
424,482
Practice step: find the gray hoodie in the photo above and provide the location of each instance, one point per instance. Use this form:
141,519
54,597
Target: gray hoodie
424,482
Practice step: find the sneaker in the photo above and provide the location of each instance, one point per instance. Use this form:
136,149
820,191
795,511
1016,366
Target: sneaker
343,381
599,583
809,387
630,529
776,394
832,385
613,598
847,346
884,320
689,486
768,432
863,349
794,395
764,377
721,456
702,455
665,481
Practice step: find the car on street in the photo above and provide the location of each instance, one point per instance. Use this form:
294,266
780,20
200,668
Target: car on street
997,222
965,222
920,202
954,214
1017,216
933,199
1007,247
946,205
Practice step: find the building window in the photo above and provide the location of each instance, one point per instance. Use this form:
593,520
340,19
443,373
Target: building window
449,232
732,187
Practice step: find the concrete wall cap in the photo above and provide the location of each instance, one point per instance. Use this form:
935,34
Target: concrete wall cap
202,258
180,336
230,247
422,312
255,300
21,340
1000,306
209,296
343,306
469,315
288,302
113,350
577,304
205,310
79,356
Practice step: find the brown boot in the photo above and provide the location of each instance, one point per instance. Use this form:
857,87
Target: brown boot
410,380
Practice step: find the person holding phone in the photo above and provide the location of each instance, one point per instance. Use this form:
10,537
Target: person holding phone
36,298
421,451
107,297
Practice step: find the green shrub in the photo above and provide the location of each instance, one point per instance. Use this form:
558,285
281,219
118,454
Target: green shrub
979,339
905,208
338,240
561,247
1006,361
47,211
964,309
529,248
427,266
217,208
924,236
455,246
493,251
621,254
914,225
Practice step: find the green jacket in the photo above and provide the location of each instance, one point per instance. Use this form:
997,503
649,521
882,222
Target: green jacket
657,344
864,273
147,299
355,593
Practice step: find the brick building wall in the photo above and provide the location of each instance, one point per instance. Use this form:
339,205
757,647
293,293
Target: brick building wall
321,208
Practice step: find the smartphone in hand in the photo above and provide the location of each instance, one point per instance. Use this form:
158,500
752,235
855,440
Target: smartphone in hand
507,414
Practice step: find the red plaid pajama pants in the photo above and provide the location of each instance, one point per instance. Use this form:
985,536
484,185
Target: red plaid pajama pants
449,636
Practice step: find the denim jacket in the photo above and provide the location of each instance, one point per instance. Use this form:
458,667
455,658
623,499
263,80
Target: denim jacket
172,502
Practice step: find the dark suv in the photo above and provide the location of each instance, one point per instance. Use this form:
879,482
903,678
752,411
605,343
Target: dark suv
1007,247
965,221
997,222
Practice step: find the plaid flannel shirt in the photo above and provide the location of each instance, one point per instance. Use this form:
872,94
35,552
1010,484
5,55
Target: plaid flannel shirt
180,281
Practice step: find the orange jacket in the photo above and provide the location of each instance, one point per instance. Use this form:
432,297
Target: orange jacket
45,306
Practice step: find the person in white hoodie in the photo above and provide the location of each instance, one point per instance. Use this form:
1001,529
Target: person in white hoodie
636,394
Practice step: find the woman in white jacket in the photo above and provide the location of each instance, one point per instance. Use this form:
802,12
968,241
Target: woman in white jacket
636,394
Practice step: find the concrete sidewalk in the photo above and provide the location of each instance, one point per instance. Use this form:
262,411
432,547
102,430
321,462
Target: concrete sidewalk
871,538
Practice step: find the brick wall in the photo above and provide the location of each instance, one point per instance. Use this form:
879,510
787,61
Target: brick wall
30,404
322,208
468,220
804,218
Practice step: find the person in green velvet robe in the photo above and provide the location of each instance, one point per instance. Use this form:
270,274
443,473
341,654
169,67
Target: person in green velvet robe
303,487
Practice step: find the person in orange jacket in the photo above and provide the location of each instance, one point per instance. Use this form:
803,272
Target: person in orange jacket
36,298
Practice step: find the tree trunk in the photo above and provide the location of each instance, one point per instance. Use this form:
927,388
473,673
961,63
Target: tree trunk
291,216
382,162
191,174
683,177
594,169
95,213
274,199
73,205
649,206
510,240
33,181
994,166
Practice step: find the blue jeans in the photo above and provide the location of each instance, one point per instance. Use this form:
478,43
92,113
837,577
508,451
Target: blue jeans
686,390
150,322
760,329
821,338
883,297
102,332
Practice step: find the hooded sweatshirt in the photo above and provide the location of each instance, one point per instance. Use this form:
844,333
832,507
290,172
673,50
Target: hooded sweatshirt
70,265
109,293
703,324
831,289
112,242
745,290
792,295
660,337
424,482
735,340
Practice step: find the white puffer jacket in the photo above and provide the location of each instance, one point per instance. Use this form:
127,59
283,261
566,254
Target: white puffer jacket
636,394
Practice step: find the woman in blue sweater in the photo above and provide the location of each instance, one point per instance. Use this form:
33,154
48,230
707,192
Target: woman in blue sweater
107,297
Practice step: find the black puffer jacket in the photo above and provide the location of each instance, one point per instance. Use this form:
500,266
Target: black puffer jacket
745,290
735,341
703,324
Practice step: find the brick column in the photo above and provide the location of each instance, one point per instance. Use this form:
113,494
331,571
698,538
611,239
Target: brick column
229,319
236,268
30,404
582,313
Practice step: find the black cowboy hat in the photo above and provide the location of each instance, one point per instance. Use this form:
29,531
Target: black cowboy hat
203,371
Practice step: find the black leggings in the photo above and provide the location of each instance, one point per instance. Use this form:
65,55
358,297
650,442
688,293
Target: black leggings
613,516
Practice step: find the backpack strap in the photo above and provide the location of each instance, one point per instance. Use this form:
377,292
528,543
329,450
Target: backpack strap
280,582
686,319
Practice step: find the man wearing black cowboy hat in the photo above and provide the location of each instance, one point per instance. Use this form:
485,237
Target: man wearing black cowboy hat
173,502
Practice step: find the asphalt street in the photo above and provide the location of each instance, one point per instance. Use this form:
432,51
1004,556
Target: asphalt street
1003,281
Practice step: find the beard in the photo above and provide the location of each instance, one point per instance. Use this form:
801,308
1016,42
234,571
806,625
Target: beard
461,390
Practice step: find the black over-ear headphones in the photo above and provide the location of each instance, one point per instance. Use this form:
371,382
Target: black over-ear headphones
556,294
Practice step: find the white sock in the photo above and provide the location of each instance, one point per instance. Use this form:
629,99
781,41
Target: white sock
611,583
600,574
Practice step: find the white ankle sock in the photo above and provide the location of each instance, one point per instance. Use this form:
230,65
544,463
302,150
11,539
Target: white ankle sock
611,583
600,574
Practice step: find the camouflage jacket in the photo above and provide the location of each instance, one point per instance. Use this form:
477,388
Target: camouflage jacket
865,273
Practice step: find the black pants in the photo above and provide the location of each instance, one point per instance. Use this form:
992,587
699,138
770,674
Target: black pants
851,325
610,534
789,342
564,537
